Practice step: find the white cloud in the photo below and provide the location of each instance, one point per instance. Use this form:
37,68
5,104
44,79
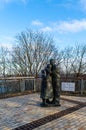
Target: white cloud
70,26
6,45
46,29
7,42
37,23
6,38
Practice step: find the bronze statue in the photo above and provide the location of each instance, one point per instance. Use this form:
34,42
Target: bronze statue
50,88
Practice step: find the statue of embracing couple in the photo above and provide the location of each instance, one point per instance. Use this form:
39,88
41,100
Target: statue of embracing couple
50,86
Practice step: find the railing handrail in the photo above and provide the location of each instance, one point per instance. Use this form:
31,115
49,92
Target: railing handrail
15,78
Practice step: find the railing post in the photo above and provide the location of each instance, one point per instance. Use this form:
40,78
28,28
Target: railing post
82,86
34,85
22,85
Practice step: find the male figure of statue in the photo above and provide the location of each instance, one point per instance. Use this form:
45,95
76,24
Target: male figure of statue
55,82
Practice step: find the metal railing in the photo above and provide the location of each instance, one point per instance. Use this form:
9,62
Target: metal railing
16,85
21,85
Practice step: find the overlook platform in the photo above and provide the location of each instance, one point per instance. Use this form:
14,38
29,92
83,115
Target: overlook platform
24,113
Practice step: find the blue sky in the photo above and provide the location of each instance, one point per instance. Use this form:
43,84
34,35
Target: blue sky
65,20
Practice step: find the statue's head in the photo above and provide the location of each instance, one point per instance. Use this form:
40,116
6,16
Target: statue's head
52,61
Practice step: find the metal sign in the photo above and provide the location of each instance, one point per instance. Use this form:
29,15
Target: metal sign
68,86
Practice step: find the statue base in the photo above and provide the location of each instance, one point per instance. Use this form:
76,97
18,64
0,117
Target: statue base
50,105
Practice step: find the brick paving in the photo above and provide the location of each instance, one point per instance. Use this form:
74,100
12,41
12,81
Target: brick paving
17,111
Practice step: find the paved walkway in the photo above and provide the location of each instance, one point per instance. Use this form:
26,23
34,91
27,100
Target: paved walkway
17,111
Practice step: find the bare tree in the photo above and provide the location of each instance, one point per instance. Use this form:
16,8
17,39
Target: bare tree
33,51
4,61
74,60
79,60
67,59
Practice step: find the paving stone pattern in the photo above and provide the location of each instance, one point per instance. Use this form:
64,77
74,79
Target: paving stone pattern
17,111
